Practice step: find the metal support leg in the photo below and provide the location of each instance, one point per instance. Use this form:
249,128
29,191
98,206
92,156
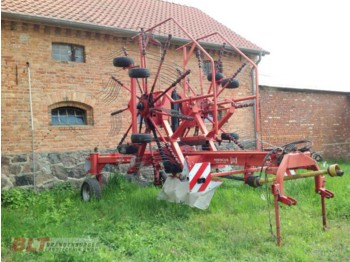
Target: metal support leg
324,194
278,222
324,216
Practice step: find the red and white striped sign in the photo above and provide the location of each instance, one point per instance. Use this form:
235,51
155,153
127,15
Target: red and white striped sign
199,177
290,172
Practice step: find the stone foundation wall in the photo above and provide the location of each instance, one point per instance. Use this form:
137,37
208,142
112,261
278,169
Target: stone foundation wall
50,169
54,168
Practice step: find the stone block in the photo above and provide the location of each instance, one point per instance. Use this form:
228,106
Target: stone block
19,158
24,180
59,171
5,182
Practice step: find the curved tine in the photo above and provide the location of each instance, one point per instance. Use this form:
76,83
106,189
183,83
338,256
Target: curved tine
115,123
169,74
111,95
107,59
112,92
106,90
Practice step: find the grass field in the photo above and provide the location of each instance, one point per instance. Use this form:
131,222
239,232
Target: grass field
131,225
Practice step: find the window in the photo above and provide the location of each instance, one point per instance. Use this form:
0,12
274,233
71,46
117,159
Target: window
207,67
68,52
68,116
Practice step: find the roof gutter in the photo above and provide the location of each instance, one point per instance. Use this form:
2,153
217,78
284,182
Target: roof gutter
107,29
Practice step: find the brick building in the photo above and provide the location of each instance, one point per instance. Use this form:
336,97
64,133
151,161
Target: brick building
57,62
59,54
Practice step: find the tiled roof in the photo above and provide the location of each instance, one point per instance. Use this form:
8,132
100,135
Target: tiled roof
126,14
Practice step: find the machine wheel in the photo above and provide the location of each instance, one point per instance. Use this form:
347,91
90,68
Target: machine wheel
175,121
232,83
317,157
301,145
90,189
229,136
127,149
139,72
123,61
172,168
141,138
218,76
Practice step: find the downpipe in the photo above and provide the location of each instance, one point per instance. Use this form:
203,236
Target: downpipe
31,124
253,76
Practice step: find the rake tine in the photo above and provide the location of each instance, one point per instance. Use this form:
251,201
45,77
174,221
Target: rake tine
107,90
111,91
115,123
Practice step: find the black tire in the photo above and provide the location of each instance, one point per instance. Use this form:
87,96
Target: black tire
232,83
300,145
141,138
206,147
218,76
139,72
90,189
127,149
317,157
175,121
172,168
123,61
229,136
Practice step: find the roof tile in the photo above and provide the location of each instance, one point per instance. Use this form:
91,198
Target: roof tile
128,14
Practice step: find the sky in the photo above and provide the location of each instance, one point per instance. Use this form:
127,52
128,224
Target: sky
308,40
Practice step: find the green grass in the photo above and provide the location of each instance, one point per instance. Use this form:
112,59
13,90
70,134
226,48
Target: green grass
131,225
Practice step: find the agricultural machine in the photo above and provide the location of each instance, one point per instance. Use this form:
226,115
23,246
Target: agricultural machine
177,122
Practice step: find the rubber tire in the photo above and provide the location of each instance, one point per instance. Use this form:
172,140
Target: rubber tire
141,138
206,147
127,149
218,76
90,189
172,168
317,157
123,61
224,136
175,121
139,72
233,83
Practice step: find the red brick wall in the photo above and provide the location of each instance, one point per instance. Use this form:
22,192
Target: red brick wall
320,116
54,82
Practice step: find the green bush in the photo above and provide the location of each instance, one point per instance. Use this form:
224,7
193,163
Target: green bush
17,198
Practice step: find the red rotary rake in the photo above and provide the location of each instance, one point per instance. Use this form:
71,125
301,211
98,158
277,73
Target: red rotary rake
175,129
